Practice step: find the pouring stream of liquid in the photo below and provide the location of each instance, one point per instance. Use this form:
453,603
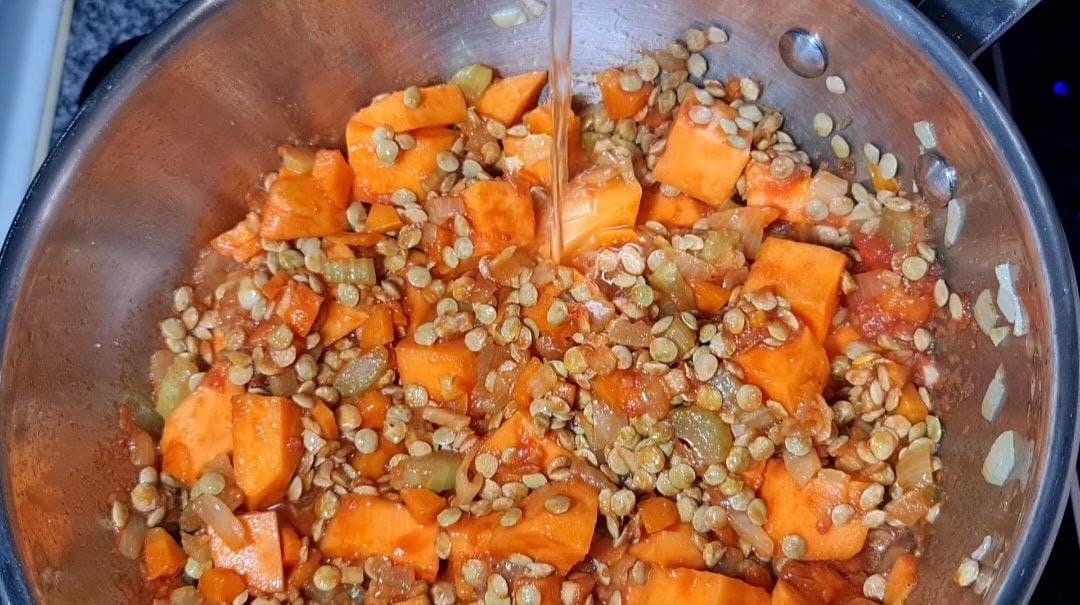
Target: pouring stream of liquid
561,90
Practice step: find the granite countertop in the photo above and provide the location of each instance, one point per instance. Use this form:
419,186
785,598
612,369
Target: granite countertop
97,26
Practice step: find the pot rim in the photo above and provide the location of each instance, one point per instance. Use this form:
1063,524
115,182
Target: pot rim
1041,522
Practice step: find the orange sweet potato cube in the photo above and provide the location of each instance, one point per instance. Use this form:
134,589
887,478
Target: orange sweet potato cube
266,446
699,159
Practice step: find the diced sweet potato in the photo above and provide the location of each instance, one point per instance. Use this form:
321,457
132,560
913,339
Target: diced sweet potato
339,322
794,372
419,306
903,577
324,417
162,557
689,587
338,251
530,156
446,369
441,105
470,538
200,428
361,240
680,211
911,404
383,218
291,545
561,540
709,298
298,306
266,447
804,511
634,393
259,561
529,453
619,103
657,514
372,466
753,476
598,199
507,99
789,194
378,328
241,242
369,526
501,215
373,406
219,586
838,339
807,275
786,594
423,504
309,205
670,548
699,160
377,182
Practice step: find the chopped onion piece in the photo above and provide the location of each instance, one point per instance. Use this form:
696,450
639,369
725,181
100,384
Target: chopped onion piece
131,538
985,311
802,468
994,398
998,334
754,535
535,8
508,17
1000,464
924,131
984,549
954,221
915,467
1007,300
220,520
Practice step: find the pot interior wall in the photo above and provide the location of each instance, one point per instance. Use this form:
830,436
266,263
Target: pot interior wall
165,161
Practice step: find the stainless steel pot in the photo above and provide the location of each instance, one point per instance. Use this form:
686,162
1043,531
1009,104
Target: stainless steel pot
162,155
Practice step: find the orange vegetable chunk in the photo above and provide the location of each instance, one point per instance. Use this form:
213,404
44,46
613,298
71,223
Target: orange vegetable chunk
298,306
369,526
309,205
911,404
376,181
324,417
561,540
507,99
619,103
423,504
689,587
709,298
501,215
807,275
291,545
162,557
791,373
441,105
383,218
680,211
804,511
200,428
378,328
259,561
530,452
670,548
266,447
241,242
903,577
372,466
699,160
634,393
446,369
657,514
789,194
339,322
598,199
220,586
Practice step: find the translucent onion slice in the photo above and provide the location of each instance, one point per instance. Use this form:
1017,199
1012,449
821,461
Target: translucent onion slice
1000,464
1008,301
994,399
508,17
954,221
221,520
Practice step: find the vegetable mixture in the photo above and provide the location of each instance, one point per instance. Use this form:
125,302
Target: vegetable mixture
377,387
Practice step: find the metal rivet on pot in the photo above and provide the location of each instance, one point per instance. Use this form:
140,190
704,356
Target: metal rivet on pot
803,53
935,178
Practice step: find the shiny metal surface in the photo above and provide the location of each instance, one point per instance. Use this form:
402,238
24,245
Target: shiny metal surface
162,155
803,53
974,25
